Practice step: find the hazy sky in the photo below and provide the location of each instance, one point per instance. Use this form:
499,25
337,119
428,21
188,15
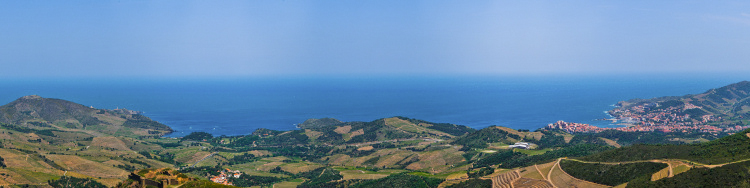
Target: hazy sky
359,37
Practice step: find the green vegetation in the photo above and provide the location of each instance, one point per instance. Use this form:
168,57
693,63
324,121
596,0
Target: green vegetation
668,104
401,181
140,121
631,138
694,113
723,150
729,103
318,123
533,151
482,172
321,177
681,169
247,180
551,140
473,183
609,174
44,112
497,158
204,184
244,158
572,151
203,171
452,129
44,132
197,136
480,138
731,175
67,181
392,152
263,132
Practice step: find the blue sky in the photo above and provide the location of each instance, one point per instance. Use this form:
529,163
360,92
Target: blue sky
271,38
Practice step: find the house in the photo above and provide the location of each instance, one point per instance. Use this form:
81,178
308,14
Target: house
224,175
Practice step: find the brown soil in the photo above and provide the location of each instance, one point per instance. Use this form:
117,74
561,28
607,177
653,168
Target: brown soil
610,142
357,133
366,148
109,142
528,182
343,129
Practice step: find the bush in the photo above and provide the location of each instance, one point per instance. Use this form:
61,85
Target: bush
607,174
197,136
67,181
473,183
399,181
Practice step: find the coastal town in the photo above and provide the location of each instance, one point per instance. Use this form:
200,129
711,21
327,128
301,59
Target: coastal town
649,117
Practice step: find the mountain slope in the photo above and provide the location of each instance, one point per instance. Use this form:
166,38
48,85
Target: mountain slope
724,107
727,149
332,131
45,113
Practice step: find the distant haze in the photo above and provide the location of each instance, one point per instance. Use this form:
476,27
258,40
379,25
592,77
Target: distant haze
260,38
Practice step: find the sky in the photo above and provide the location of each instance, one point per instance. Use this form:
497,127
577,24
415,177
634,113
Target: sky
169,38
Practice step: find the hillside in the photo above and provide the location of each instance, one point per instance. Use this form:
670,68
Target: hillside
335,132
723,150
724,109
37,148
44,139
55,114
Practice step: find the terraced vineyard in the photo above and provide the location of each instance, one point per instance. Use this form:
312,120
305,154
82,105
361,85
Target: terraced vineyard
505,180
531,183
532,173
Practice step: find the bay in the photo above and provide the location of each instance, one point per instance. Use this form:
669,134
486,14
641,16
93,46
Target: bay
238,106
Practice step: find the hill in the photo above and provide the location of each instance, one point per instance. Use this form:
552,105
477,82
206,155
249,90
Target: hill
51,139
63,144
318,123
727,149
55,114
724,109
334,132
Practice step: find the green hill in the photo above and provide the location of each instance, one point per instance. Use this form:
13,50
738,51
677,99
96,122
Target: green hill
48,140
727,149
55,114
334,132
318,123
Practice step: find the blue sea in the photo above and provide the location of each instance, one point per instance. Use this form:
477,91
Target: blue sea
238,106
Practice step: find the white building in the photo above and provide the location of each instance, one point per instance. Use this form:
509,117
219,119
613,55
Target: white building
521,145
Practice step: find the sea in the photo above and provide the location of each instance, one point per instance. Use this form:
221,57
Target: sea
238,106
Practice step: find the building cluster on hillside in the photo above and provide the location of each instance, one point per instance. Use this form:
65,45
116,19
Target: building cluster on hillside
648,117
223,177
586,128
